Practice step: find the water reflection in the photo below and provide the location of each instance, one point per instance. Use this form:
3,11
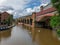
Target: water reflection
34,31
31,31
55,35
24,35
0,37
44,36
16,36
6,33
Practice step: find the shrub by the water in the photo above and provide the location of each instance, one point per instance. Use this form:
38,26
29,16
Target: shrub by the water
55,21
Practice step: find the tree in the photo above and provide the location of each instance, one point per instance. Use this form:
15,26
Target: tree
56,4
9,20
55,20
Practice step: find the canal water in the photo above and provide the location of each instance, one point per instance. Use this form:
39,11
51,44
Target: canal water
23,35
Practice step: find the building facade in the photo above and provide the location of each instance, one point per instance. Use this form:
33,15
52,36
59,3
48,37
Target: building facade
28,20
43,17
4,17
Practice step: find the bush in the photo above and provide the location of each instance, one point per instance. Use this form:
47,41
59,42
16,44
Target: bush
58,32
55,21
56,4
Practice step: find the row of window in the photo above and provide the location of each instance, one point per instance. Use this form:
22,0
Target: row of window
2,23
0,17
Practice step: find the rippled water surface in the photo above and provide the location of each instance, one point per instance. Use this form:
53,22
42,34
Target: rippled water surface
22,35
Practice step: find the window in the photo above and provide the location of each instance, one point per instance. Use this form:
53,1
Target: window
0,19
30,21
0,15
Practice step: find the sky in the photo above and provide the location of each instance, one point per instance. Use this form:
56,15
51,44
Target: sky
22,7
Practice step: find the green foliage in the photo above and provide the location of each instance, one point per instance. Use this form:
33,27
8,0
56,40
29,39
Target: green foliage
58,32
10,19
56,4
55,21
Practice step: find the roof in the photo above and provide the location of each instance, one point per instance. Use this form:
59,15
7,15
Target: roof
49,10
44,17
5,13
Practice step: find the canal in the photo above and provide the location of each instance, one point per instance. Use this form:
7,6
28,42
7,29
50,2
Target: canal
22,35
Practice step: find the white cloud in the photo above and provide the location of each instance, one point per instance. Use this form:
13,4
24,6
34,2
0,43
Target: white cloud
43,4
20,5
29,10
2,1
35,9
16,4
10,11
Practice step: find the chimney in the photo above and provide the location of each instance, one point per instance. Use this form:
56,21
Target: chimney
41,8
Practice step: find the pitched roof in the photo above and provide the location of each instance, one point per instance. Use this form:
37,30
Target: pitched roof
49,10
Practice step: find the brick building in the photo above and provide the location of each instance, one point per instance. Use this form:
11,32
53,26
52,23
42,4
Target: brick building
28,20
42,18
3,17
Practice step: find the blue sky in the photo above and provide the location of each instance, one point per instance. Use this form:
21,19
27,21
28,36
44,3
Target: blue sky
33,3
23,7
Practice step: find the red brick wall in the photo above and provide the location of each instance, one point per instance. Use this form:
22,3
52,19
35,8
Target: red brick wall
4,16
33,19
